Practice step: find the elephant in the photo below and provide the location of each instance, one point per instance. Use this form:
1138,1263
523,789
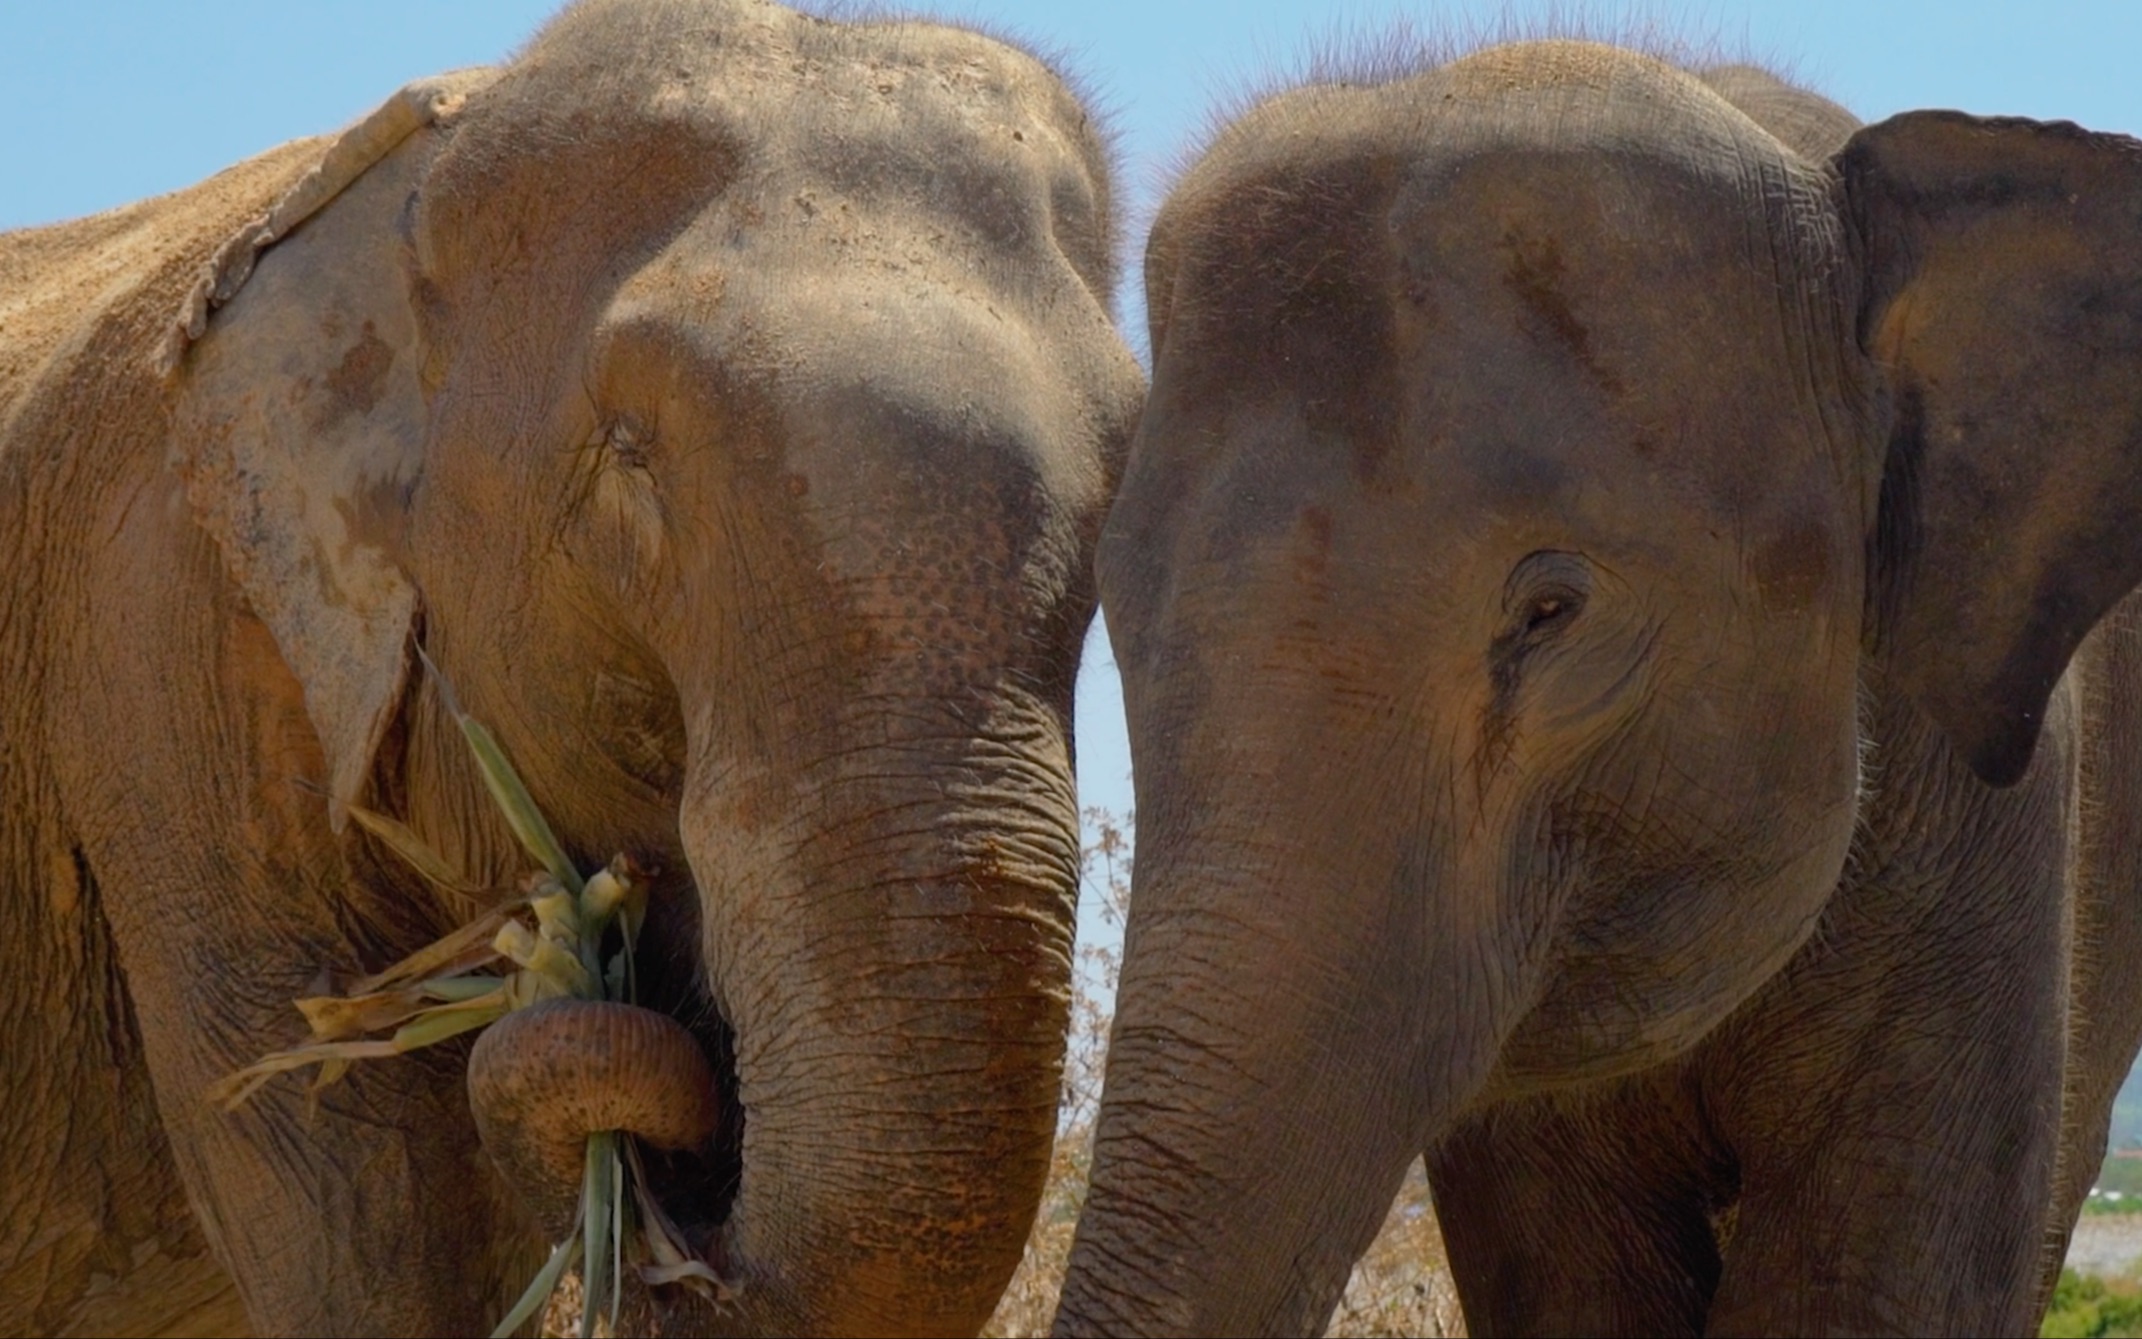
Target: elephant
726,400
1622,594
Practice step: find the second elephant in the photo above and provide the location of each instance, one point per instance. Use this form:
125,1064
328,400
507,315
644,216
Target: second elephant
1593,586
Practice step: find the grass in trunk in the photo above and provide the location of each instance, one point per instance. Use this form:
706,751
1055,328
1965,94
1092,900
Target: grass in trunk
562,936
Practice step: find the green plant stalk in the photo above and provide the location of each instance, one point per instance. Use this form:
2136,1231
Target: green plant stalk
518,806
598,1217
571,932
505,785
617,1245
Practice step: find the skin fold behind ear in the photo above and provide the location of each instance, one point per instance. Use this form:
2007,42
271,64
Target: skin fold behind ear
2003,296
299,426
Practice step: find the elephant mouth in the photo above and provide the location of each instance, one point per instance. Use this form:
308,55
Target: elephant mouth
664,1069
697,1187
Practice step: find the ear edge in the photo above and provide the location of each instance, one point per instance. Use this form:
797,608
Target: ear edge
298,423
415,106
1912,186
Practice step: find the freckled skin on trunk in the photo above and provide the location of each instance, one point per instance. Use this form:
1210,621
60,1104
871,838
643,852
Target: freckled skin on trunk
915,1024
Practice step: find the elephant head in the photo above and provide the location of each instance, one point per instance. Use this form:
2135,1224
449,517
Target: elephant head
1543,463
727,401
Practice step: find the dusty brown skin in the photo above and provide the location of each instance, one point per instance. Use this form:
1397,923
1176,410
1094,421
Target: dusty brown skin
1592,586
744,476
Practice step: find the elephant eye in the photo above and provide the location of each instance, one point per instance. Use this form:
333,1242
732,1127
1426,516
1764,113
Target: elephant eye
1550,608
629,443
1544,595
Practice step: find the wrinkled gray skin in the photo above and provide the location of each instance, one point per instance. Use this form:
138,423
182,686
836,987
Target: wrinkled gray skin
1593,586
727,401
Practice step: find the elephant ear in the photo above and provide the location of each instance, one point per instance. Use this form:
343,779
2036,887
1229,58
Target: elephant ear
299,419
2003,294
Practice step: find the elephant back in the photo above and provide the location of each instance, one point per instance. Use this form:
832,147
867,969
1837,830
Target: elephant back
92,300
1807,123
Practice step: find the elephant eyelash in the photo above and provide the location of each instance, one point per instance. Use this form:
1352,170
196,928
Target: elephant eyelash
627,442
1550,609
1544,594
620,442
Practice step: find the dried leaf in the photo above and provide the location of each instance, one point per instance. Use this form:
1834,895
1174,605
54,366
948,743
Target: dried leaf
688,1272
334,1017
463,950
233,1091
539,1288
330,1073
673,1263
418,853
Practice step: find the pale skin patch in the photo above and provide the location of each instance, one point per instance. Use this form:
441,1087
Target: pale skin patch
63,885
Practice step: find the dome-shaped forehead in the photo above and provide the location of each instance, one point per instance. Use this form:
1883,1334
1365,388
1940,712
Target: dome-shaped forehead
1549,96
789,82
1558,267
1520,165
1600,147
901,136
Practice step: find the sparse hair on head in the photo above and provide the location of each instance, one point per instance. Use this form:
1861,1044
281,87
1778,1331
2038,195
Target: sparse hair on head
1348,53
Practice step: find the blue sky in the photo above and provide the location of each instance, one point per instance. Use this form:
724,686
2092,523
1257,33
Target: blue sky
109,100
105,101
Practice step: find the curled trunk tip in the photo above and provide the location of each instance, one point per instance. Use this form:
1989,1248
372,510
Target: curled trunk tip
542,1079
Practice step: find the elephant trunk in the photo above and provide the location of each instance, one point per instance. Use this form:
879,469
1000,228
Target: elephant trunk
894,974
1314,989
542,1079
892,982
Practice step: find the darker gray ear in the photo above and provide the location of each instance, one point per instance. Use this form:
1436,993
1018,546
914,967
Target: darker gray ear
2003,296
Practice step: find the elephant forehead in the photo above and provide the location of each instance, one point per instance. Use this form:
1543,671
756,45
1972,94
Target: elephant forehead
842,127
1533,324
946,465
1379,308
1627,318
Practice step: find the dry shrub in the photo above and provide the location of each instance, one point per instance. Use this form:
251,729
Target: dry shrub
1402,1285
561,1317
